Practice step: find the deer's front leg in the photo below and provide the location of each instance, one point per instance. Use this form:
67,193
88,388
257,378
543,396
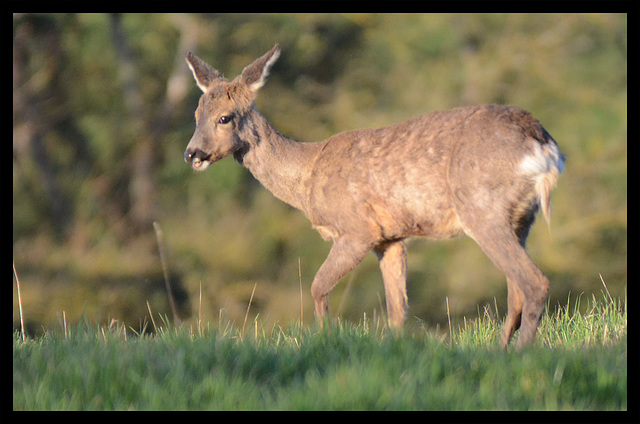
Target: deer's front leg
393,264
346,253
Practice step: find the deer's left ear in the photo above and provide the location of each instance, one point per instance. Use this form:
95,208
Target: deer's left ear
255,74
204,74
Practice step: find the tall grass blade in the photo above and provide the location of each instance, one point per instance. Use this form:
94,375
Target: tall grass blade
300,280
19,302
152,320
165,271
248,308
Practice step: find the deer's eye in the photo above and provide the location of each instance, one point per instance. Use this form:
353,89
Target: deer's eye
225,119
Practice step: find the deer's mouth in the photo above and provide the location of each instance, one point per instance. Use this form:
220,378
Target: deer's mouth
198,159
200,165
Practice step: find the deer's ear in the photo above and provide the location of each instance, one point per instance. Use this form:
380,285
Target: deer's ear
204,74
255,74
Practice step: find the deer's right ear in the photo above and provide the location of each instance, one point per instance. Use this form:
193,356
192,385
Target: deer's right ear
255,74
203,73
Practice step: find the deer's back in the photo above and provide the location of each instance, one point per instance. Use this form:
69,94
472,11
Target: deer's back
395,181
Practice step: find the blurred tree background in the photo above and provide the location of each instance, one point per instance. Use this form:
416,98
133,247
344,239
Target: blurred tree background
103,109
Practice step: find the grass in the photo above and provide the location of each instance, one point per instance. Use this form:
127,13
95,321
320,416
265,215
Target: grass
579,362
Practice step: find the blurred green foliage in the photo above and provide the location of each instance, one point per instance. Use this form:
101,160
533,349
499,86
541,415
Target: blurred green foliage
103,109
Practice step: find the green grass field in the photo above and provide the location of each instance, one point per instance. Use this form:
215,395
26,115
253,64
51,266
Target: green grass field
579,362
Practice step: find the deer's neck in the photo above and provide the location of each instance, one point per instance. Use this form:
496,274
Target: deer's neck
281,164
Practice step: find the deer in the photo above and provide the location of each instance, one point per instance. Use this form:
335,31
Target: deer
483,171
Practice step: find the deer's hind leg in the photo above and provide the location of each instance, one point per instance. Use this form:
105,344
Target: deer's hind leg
514,312
527,285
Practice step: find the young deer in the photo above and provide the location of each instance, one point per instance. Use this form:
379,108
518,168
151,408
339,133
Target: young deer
481,170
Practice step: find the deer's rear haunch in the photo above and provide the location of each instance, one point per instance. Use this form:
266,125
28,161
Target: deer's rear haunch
483,171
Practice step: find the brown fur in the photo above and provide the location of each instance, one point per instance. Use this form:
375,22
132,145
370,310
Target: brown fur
482,170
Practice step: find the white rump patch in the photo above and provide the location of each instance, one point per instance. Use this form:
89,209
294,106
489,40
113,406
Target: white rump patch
543,166
542,160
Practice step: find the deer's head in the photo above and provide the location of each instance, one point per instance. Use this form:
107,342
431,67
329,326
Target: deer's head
224,108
